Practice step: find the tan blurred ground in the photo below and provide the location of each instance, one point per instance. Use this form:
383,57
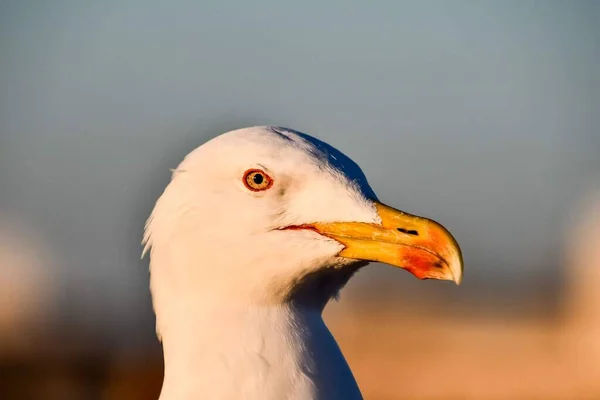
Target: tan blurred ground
412,356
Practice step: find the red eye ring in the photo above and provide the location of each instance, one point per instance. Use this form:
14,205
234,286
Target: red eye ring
257,180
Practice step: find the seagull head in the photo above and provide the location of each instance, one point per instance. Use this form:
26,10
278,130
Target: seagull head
268,215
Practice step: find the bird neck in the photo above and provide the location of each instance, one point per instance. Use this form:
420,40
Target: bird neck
262,352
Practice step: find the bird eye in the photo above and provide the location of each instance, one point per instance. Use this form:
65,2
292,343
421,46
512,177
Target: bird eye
257,180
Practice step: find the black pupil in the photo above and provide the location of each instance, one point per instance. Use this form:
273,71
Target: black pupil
258,179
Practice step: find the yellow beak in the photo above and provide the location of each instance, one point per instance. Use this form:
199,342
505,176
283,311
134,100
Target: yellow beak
420,245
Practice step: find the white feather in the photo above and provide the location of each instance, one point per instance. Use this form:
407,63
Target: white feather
238,301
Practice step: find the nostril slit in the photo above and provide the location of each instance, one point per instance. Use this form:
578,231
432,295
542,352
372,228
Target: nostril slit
408,232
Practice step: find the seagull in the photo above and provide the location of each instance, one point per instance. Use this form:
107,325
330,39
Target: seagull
257,230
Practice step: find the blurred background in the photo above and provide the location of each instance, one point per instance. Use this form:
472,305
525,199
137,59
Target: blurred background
483,115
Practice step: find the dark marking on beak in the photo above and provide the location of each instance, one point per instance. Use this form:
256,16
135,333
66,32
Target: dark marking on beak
408,232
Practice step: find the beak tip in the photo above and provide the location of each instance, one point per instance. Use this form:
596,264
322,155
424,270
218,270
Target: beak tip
456,265
457,275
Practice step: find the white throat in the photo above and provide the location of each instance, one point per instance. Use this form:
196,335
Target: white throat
254,352
232,344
